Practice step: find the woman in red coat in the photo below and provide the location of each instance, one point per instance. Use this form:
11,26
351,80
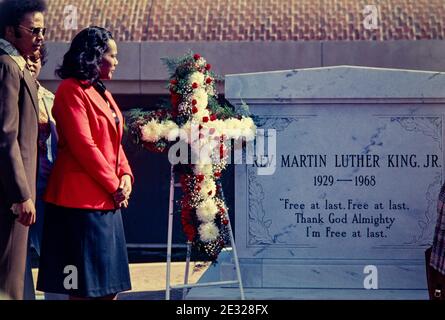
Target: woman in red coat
83,247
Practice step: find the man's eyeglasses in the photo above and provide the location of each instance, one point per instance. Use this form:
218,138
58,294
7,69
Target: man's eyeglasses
34,31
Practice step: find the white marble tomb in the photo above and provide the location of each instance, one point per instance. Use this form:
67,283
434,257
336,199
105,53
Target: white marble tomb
347,206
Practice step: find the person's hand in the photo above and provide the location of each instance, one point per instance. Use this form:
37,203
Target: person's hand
120,200
125,185
26,212
119,197
123,204
122,194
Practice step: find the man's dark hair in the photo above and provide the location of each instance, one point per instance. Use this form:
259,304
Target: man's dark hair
83,59
13,11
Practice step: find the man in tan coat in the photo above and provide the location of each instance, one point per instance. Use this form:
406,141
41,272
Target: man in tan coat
21,34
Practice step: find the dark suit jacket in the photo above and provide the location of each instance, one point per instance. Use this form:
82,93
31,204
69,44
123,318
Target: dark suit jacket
18,133
18,166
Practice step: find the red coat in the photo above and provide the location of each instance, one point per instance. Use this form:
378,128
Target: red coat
90,159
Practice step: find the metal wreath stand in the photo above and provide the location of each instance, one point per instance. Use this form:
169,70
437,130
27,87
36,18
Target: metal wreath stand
186,285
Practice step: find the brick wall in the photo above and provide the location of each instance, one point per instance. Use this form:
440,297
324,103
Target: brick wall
251,20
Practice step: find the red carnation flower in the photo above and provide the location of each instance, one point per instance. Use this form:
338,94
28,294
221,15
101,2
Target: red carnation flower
205,119
212,117
196,56
194,85
217,174
208,66
187,225
222,153
174,81
194,110
194,102
189,231
222,210
209,80
200,177
175,99
225,222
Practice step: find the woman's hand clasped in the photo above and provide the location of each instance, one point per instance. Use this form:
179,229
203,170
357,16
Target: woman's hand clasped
122,194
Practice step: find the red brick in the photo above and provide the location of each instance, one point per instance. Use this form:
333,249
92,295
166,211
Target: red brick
247,20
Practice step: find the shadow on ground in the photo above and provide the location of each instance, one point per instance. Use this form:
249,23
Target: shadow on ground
145,256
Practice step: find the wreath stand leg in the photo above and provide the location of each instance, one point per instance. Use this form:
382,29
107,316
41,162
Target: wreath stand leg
186,285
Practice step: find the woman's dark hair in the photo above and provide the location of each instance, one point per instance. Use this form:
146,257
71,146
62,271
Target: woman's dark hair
13,11
83,59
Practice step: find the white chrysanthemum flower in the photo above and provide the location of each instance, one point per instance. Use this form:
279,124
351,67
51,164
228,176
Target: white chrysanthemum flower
201,97
151,131
197,77
207,210
201,62
248,123
232,128
218,126
202,112
231,123
208,232
208,187
200,93
248,134
170,130
173,134
248,128
205,169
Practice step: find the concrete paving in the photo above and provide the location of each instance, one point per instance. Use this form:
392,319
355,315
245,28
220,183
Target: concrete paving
149,280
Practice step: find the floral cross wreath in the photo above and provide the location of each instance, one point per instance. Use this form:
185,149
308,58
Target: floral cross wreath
200,130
